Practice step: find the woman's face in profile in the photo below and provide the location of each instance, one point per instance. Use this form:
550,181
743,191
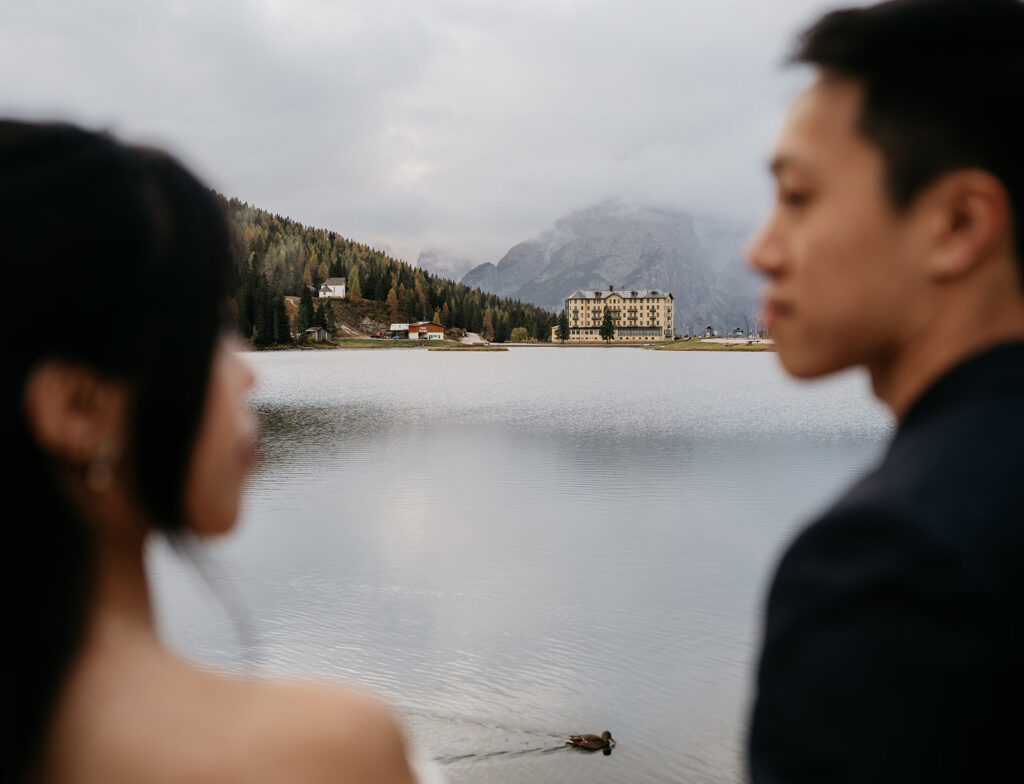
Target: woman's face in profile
226,447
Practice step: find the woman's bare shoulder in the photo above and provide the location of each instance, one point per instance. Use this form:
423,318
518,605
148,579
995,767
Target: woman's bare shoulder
158,718
311,732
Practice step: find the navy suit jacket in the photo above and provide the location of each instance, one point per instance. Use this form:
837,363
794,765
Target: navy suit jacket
894,639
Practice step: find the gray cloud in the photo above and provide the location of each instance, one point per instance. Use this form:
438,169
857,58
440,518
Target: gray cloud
466,125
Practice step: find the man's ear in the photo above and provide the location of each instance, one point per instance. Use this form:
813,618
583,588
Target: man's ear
74,413
969,217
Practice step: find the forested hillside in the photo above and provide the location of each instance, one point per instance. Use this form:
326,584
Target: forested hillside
276,257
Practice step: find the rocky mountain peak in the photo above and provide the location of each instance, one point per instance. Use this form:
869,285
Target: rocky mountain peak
700,260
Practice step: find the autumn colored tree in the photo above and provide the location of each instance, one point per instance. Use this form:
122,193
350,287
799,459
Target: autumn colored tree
392,303
353,286
519,335
487,328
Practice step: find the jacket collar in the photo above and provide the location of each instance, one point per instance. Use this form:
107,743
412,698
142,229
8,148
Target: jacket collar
993,370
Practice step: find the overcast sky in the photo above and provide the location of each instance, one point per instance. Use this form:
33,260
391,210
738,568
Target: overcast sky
461,125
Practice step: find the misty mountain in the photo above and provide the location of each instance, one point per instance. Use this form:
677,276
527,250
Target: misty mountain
700,260
444,264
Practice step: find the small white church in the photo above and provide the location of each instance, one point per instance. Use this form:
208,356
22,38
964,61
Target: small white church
332,287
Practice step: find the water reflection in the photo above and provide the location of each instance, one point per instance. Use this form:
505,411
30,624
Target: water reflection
511,546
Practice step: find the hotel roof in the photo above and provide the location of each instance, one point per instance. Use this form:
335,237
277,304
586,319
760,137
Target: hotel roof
624,293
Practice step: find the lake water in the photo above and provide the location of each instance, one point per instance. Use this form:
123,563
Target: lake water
512,547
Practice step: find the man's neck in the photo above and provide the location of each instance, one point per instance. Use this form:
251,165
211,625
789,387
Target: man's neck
906,374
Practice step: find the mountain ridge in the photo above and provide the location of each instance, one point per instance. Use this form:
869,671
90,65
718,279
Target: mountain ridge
699,259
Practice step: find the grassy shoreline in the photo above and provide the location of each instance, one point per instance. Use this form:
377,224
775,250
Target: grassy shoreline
448,345
706,345
379,343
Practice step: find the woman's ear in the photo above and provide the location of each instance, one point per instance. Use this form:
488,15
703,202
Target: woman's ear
75,414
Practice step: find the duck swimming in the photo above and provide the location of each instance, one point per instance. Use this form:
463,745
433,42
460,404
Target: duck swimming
602,741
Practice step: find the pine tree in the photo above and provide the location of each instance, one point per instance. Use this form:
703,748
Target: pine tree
247,295
500,326
282,323
263,331
406,303
607,326
304,318
563,326
330,323
540,327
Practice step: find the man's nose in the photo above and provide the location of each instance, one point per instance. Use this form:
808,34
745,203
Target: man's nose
765,252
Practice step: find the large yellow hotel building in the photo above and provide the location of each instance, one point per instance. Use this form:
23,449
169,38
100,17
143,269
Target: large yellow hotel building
638,315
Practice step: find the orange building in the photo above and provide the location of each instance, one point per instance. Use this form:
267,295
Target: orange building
426,330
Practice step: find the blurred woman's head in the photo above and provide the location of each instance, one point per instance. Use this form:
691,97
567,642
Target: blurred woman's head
116,264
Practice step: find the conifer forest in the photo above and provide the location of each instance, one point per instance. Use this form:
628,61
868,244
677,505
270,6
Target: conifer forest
277,257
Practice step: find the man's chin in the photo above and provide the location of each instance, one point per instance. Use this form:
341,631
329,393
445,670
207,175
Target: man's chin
801,363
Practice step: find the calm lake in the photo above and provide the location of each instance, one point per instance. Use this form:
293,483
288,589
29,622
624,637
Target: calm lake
512,547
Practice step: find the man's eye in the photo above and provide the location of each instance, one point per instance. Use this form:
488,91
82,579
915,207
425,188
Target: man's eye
794,199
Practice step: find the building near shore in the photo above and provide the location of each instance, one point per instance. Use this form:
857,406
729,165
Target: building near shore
425,330
333,288
638,315
318,335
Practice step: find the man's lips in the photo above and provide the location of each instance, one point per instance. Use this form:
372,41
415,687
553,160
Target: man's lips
773,309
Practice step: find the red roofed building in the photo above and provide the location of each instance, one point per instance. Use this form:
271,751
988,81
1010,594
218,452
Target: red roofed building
425,330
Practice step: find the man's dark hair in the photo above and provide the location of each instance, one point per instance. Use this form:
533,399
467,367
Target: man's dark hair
944,88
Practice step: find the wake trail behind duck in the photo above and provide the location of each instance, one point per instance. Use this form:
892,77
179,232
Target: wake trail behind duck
483,755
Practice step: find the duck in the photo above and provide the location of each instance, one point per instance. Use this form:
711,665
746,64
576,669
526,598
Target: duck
602,741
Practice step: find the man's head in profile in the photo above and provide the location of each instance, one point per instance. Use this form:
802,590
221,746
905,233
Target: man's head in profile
896,239
894,631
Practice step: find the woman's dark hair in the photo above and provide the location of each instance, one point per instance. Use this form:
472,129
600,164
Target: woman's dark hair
115,258
943,81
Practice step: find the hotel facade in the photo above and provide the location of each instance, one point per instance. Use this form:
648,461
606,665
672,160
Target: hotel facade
639,315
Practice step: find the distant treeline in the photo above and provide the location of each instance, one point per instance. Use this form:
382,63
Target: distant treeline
276,256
